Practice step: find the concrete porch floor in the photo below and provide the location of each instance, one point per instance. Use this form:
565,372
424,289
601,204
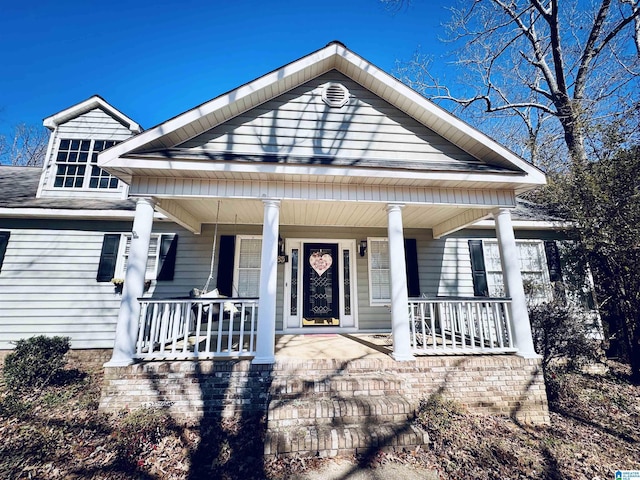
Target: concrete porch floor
334,346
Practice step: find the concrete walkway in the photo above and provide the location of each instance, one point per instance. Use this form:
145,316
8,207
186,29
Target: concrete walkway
341,469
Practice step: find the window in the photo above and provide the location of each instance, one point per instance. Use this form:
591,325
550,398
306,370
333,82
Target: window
533,267
379,278
76,165
379,269
247,273
161,247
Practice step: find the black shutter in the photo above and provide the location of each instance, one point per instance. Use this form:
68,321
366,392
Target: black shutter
553,260
411,257
225,265
168,250
478,271
108,257
4,241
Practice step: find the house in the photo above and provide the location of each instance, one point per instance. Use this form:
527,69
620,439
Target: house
324,197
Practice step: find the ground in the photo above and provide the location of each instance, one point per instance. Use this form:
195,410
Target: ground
58,433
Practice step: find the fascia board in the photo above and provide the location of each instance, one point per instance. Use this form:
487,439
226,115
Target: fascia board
386,80
93,102
528,224
129,163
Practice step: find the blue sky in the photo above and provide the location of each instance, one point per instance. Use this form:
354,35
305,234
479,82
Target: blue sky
154,60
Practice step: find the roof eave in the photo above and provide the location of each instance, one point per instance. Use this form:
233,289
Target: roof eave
333,56
87,105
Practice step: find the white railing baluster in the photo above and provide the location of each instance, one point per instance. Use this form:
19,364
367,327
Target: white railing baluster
220,322
209,323
241,339
467,325
498,323
434,341
422,325
164,323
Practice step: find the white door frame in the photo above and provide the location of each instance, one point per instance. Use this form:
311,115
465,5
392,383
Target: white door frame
293,323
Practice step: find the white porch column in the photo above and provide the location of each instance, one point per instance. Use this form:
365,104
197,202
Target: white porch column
520,326
266,331
129,314
399,296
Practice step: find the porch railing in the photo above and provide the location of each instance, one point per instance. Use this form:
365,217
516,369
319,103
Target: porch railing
197,328
460,325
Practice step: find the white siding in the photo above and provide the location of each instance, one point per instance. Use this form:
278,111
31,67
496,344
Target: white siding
48,286
95,123
48,282
299,123
48,279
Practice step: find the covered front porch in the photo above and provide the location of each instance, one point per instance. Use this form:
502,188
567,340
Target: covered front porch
232,326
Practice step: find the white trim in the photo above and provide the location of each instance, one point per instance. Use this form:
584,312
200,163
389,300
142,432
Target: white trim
85,191
46,164
179,215
526,224
130,163
458,222
64,213
89,104
323,189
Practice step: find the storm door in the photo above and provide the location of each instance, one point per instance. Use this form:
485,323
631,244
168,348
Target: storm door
320,290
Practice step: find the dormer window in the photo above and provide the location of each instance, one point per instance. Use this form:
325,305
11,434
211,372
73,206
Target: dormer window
76,165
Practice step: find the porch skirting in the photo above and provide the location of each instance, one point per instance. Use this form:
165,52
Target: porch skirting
198,390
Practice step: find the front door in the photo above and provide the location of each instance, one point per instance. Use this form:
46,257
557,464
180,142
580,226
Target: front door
320,285
320,288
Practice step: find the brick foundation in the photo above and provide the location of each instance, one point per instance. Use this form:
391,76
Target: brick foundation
501,384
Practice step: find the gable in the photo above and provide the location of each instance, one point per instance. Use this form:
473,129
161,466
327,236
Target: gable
95,123
299,127
206,141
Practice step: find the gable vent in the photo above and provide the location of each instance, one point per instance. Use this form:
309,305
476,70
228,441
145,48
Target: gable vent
335,95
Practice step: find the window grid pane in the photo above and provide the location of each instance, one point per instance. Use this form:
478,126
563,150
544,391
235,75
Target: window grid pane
99,178
152,257
379,258
347,282
532,268
249,267
294,281
72,162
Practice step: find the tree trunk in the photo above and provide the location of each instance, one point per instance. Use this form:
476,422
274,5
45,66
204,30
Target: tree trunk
573,131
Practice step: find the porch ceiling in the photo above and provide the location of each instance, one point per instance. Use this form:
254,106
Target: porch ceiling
315,213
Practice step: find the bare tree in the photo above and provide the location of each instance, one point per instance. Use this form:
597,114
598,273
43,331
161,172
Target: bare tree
537,60
26,146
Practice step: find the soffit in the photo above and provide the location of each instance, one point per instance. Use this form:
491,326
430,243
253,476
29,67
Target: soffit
311,213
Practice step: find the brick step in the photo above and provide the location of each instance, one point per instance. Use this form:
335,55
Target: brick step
339,411
343,441
295,386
